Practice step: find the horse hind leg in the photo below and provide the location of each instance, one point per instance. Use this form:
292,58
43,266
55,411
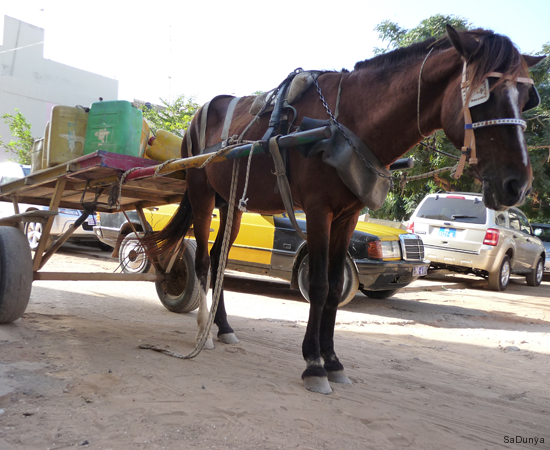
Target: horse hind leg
226,334
202,219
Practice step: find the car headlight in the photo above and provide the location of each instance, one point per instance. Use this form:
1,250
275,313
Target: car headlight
384,250
391,250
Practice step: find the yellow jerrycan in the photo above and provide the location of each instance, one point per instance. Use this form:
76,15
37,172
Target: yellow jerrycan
164,146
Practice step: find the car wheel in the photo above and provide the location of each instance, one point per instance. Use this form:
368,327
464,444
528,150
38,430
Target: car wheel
180,291
33,231
351,280
498,280
535,277
379,295
15,274
132,256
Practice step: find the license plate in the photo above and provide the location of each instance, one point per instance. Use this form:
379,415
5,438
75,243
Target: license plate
447,232
420,271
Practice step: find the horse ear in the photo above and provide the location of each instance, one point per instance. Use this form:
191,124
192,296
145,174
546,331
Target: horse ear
532,60
464,44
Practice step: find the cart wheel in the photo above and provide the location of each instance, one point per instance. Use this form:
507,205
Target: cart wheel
351,280
15,274
180,292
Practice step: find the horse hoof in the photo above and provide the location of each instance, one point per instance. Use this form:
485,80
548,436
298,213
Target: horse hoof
209,344
317,384
228,338
338,376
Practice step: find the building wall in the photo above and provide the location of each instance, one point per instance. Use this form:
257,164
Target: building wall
34,85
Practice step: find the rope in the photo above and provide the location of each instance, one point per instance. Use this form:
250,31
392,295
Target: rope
428,174
243,201
219,281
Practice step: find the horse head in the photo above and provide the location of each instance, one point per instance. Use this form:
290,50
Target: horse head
483,114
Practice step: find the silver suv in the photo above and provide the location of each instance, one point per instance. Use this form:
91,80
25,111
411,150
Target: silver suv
461,234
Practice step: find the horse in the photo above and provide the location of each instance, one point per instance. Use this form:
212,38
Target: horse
389,102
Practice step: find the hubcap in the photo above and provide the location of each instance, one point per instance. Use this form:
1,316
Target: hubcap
34,233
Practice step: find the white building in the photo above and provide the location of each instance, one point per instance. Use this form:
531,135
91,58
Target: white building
34,85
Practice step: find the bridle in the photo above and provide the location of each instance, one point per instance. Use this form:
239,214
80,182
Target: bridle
468,151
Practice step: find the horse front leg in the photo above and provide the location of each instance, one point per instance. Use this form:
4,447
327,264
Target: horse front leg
226,334
341,232
315,376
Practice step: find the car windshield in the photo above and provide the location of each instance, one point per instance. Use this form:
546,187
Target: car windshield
543,233
453,208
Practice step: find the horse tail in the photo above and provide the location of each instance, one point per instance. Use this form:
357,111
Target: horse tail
163,242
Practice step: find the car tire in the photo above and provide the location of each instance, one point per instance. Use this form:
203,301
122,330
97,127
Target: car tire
535,277
180,291
351,280
379,295
33,232
16,274
131,256
499,280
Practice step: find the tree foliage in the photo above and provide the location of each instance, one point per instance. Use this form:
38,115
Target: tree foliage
174,116
404,198
19,128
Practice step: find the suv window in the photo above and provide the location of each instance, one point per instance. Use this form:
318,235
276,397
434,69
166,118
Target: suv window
456,209
500,219
519,222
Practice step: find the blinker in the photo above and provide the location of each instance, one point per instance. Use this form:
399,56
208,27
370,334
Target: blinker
534,99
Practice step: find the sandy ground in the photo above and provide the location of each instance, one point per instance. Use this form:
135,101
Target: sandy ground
436,367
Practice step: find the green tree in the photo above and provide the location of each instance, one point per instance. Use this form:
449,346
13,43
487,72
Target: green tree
537,134
405,197
174,116
19,128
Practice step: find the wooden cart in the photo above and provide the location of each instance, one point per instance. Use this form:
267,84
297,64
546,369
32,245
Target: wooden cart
86,184
83,184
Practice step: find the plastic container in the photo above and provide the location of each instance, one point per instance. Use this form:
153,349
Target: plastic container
45,146
164,146
36,155
114,126
143,143
66,135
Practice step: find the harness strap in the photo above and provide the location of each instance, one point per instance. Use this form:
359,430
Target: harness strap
204,119
336,110
229,117
284,187
468,151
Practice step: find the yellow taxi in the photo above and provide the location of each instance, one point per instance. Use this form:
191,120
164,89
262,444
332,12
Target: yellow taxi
381,259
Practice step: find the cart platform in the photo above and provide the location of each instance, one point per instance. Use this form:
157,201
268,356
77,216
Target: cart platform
87,181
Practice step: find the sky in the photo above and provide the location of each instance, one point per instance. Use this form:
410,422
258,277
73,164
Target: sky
202,48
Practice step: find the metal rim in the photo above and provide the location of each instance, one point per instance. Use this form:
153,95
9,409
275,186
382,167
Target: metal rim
133,256
540,271
505,273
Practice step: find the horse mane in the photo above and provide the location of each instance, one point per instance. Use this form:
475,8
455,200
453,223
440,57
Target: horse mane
494,53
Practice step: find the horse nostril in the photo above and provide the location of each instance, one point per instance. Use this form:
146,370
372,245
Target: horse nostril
513,188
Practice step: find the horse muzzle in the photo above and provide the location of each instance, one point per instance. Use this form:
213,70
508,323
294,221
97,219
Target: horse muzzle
509,192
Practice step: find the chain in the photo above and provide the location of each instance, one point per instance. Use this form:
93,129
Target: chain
349,141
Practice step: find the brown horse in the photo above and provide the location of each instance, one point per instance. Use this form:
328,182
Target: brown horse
389,102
